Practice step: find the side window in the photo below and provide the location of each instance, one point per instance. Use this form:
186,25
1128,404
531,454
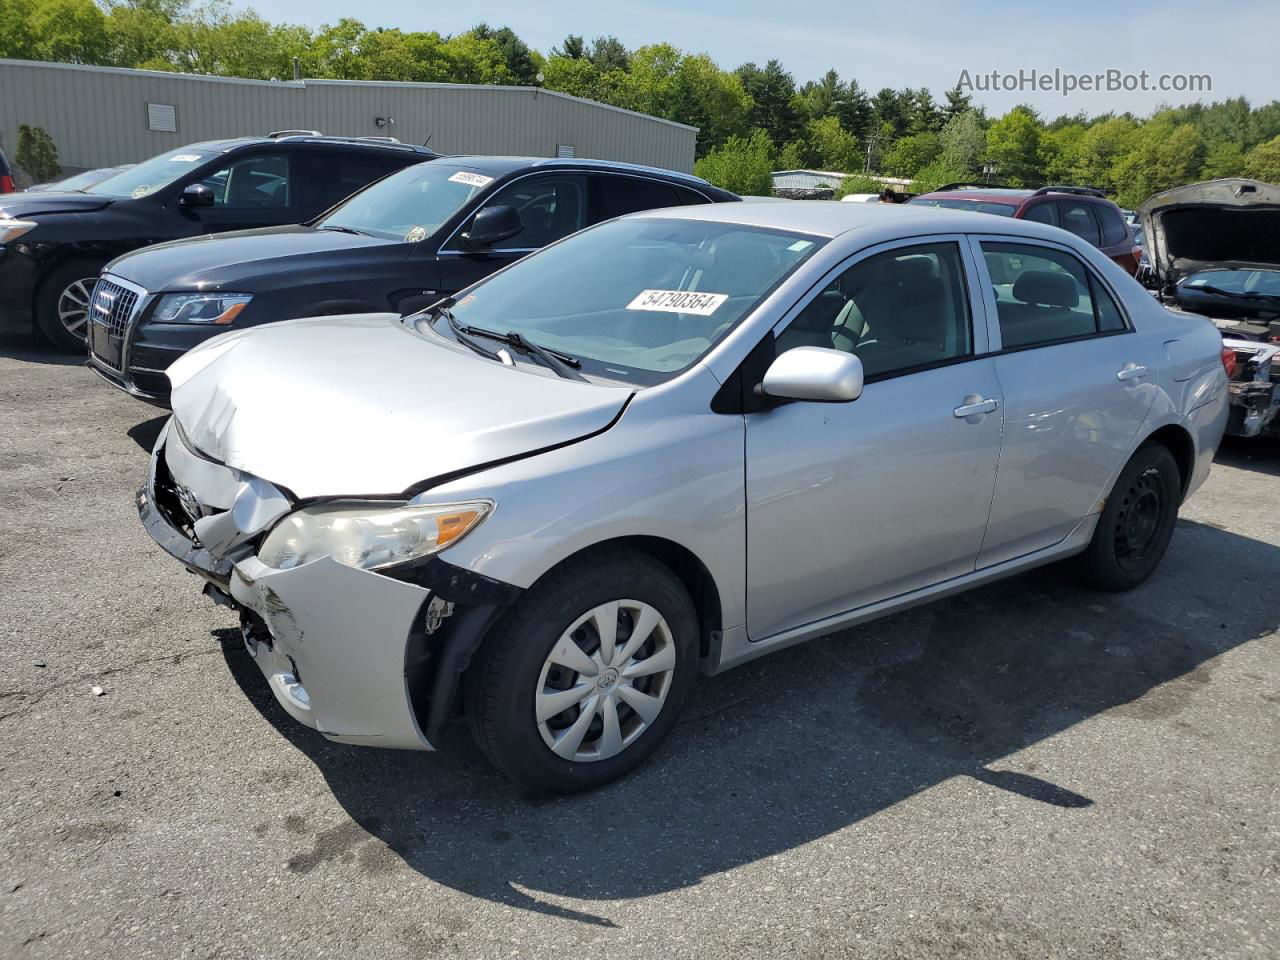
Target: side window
1043,212
1045,295
896,310
327,176
689,197
1113,227
550,207
257,182
1077,217
616,196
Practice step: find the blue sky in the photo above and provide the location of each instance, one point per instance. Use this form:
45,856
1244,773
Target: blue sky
920,43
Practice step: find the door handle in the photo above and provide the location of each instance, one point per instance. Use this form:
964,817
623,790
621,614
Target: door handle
975,406
1132,371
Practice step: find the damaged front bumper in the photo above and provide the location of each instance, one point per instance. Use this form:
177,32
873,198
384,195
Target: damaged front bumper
364,658
1254,389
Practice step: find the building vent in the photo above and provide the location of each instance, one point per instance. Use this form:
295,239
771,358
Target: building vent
564,150
162,117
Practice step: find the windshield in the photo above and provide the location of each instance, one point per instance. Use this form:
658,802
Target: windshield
409,205
636,300
1260,283
978,206
151,175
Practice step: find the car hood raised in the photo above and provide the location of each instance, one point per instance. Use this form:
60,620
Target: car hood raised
364,405
19,205
1216,224
220,261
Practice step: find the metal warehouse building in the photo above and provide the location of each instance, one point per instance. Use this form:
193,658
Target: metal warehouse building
102,116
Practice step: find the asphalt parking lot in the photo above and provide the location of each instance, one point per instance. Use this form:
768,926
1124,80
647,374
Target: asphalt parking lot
1029,770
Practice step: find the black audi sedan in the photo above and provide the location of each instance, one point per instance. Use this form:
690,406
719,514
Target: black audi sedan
398,245
53,244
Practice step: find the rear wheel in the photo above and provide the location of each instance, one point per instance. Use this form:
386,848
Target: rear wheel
1137,522
62,305
586,676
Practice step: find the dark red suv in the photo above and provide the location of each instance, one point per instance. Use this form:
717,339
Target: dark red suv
1083,211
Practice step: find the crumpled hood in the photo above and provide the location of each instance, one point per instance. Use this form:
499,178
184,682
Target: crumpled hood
1218,223
364,405
19,205
220,261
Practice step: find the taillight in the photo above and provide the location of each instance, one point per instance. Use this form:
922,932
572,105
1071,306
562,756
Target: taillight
1229,361
6,183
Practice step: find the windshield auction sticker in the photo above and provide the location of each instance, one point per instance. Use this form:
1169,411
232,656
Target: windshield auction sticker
185,158
471,179
678,301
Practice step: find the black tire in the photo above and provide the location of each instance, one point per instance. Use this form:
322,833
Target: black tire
1136,524
50,293
500,686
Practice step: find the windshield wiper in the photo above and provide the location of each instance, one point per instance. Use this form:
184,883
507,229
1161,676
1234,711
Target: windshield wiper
563,364
341,229
460,334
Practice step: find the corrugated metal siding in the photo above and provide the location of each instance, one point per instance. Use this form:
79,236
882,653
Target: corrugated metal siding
97,116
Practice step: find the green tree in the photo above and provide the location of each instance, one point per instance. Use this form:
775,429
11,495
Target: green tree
963,141
1263,161
858,183
521,63
1166,155
743,165
573,48
69,31
609,53
1224,159
911,153
36,153
935,175
958,102
1013,145
775,108
831,147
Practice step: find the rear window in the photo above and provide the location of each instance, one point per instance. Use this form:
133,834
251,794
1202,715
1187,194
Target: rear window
977,206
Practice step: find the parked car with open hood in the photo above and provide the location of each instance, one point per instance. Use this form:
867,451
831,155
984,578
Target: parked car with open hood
679,439
54,244
1084,211
1214,250
402,243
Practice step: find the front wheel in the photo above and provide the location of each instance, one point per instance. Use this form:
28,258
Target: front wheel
1137,522
62,305
580,683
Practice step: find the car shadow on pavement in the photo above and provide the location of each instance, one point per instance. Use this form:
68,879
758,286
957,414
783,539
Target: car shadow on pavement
795,746
33,349
1259,454
146,433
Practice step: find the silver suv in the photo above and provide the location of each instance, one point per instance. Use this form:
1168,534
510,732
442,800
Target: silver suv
669,443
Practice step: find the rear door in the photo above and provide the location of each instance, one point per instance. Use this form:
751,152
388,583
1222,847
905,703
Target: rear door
614,195
551,206
1078,382
327,175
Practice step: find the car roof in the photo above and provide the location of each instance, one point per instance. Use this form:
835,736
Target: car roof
499,166
826,218
371,143
996,194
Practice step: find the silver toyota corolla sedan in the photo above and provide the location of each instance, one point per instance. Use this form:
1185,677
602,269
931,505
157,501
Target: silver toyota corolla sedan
669,443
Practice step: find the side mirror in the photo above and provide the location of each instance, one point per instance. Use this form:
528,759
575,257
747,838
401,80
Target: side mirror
197,195
814,373
492,225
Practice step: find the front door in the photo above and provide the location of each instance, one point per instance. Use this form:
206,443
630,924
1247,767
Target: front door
852,503
250,190
551,206
1078,385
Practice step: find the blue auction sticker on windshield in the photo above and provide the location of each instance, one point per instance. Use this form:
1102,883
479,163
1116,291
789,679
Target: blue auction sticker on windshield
678,301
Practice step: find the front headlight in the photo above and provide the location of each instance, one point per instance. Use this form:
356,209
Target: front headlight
13,229
219,308
368,536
